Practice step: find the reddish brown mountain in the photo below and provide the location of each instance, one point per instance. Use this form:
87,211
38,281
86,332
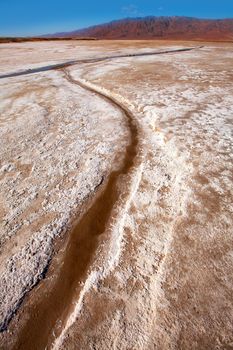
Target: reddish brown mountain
159,28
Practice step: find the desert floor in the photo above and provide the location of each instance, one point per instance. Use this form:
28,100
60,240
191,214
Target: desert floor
116,195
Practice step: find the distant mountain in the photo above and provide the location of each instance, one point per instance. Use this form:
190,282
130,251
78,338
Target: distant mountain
183,28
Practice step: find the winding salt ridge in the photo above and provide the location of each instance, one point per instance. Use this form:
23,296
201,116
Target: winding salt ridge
113,256
85,251
116,241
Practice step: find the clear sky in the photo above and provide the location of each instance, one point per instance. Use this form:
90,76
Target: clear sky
34,17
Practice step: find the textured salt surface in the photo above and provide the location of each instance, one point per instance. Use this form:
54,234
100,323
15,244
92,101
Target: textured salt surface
171,285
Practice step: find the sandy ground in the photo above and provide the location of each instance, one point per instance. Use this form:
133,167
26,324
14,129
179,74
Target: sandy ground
159,275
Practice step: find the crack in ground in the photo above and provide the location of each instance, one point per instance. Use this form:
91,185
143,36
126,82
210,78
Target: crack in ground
91,60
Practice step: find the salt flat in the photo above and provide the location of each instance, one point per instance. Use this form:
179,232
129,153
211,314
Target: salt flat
116,196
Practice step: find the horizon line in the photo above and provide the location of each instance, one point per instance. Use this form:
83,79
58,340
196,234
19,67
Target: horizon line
114,20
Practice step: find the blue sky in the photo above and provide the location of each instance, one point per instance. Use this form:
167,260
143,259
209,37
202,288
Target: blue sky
34,17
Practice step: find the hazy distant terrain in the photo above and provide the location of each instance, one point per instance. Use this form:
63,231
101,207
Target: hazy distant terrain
116,194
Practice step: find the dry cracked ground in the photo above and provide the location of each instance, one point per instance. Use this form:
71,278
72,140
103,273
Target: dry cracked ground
116,196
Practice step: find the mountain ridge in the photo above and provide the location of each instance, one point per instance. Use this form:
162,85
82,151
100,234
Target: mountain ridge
151,27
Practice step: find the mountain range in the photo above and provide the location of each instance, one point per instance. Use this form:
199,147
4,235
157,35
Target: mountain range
177,28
